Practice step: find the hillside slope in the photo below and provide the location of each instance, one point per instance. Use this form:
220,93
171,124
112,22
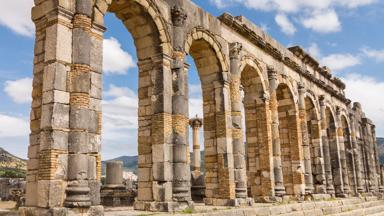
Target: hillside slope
11,166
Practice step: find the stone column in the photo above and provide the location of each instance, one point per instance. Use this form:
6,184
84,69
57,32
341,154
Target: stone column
376,158
196,124
278,172
223,139
237,131
114,174
356,155
306,142
342,153
181,168
381,188
84,120
370,154
327,157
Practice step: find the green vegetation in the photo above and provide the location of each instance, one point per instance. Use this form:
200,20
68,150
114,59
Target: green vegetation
12,173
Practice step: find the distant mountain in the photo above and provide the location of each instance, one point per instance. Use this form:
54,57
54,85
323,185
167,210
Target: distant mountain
11,165
130,162
380,143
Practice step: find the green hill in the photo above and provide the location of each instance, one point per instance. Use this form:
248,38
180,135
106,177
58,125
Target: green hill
11,166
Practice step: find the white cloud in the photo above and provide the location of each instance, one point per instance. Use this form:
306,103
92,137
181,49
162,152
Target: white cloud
115,59
319,15
378,55
355,3
314,50
19,90
365,90
322,21
16,15
13,126
285,24
339,62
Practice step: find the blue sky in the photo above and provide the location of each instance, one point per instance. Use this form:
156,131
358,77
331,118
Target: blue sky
346,35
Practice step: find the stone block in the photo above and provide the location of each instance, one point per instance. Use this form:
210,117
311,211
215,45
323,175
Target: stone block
162,171
58,43
162,192
84,7
96,85
78,142
54,139
62,167
81,45
55,77
50,193
79,118
81,82
54,116
94,186
55,96
96,58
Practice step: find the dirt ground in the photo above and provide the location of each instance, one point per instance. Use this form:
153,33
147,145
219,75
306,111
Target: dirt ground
7,208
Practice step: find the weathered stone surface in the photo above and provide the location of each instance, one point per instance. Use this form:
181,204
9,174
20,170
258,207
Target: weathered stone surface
303,138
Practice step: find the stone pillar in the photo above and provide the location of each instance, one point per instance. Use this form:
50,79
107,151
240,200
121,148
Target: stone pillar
181,168
114,174
237,131
49,119
196,124
114,193
381,187
306,142
327,157
357,155
223,128
370,155
277,166
376,158
342,153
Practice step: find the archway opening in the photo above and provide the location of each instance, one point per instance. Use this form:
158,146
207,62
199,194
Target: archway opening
333,151
255,125
288,135
349,156
153,171
209,71
313,128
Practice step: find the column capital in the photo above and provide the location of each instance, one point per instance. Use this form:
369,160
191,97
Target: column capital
196,122
235,49
179,16
272,73
322,100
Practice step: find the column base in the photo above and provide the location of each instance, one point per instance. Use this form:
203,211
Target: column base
59,211
309,189
381,189
155,206
280,191
229,202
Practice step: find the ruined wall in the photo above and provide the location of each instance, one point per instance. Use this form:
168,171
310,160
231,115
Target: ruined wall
285,141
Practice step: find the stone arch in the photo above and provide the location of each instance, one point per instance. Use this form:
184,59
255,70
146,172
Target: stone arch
332,138
75,71
207,40
152,11
212,69
349,154
256,111
290,140
314,139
